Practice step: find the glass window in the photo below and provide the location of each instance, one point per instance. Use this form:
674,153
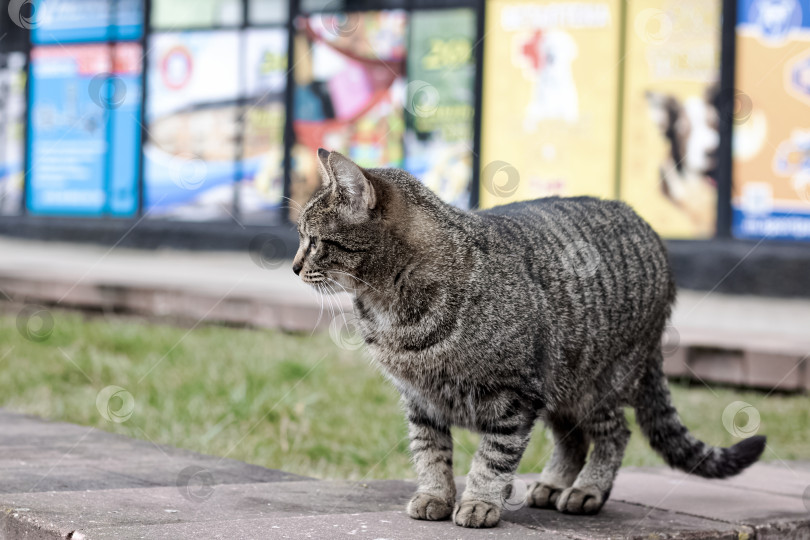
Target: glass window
261,180
268,11
180,14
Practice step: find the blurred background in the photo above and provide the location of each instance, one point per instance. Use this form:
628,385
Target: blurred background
154,155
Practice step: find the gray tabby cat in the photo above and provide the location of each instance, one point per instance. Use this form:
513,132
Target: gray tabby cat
551,309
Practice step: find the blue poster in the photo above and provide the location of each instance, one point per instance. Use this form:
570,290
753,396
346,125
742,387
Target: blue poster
775,19
83,130
68,21
123,95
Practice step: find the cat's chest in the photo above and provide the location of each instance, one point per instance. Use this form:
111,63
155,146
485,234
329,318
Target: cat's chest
443,400
404,329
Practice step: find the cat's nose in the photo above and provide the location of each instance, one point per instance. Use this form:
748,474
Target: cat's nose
297,268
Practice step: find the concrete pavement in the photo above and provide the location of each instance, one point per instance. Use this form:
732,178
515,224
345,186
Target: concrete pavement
61,480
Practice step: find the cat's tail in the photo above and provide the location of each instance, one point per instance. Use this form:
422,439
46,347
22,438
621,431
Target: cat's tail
661,424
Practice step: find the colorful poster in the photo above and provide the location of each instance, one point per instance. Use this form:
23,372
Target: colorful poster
261,180
170,15
551,73
84,99
670,122
771,104
66,21
440,102
349,93
12,119
192,113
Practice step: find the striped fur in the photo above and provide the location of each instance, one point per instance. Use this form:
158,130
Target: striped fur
550,309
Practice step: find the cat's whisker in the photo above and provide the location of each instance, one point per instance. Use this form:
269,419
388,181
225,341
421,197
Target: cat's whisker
342,312
339,284
337,308
326,300
329,300
357,278
320,314
338,312
296,203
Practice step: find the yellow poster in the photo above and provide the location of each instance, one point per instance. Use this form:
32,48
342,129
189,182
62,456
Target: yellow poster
670,121
771,140
551,72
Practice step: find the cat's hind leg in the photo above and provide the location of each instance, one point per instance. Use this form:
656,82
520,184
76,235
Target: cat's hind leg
607,428
560,471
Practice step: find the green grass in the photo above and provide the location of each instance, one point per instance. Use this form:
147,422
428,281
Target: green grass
292,402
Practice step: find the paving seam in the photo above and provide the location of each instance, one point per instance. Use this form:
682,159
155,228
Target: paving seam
718,520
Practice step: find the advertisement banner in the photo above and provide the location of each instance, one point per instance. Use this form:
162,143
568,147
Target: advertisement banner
670,120
67,21
84,100
261,172
66,134
349,92
191,112
551,73
12,120
440,102
771,139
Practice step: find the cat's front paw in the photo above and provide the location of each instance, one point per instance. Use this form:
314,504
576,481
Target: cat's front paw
476,514
429,507
580,500
540,495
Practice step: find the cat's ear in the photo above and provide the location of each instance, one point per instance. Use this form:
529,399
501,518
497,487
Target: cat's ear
323,166
351,185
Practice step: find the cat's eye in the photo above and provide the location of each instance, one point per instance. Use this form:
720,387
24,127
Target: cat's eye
312,241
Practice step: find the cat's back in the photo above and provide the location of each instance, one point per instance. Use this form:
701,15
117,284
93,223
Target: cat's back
557,209
586,249
561,221
569,218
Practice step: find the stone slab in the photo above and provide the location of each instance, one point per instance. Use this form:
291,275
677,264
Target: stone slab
59,480
161,505
788,478
37,455
717,500
767,370
338,508
374,525
627,521
619,521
